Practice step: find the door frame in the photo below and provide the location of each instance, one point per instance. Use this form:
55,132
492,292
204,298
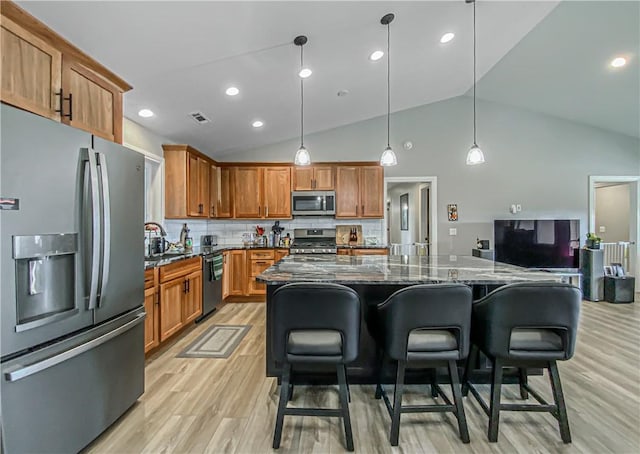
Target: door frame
160,161
433,206
634,233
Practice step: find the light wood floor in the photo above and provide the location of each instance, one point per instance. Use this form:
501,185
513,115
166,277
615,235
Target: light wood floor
228,406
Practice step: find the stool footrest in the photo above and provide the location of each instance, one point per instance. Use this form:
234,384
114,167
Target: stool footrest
528,407
427,408
313,411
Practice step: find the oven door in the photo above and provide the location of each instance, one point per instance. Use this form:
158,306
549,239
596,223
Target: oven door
312,203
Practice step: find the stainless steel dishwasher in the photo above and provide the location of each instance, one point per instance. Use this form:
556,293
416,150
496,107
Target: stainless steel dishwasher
211,278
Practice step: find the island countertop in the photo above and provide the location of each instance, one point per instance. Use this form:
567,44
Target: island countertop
394,270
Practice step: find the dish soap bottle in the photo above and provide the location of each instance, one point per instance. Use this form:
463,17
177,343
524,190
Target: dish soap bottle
184,234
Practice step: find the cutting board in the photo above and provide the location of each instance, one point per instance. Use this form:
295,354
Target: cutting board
342,234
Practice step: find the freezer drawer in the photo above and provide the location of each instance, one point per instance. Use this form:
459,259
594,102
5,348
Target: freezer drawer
61,398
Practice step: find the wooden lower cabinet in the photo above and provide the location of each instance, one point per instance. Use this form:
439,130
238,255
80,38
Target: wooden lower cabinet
344,251
234,275
364,251
151,321
280,254
240,269
180,295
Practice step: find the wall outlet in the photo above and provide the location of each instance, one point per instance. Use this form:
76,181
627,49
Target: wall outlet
602,229
453,258
453,232
518,208
513,209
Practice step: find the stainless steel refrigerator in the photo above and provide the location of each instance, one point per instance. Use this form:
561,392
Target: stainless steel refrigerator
72,284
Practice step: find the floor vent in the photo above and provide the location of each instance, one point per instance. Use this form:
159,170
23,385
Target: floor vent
199,118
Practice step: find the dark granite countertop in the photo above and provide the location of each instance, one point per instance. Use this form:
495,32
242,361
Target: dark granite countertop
362,246
168,258
382,269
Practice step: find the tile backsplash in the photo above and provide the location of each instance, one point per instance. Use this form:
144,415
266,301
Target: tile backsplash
230,231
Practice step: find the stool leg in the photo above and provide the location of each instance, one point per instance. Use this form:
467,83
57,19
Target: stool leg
523,379
457,399
434,382
290,390
467,369
558,397
284,391
496,388
344,405
380,356
347,382
397,404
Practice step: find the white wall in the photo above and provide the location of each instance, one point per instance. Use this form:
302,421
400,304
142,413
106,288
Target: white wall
141,137
394,191
612,212
539,161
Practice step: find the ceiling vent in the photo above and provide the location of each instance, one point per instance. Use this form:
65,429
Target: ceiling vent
199,118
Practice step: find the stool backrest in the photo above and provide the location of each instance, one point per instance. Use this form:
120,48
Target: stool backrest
527,305
444,306
309,306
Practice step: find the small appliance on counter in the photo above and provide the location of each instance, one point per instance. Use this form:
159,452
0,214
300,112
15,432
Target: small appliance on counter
313,203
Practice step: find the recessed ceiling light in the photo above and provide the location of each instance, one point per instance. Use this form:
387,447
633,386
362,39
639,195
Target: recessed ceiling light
447,37
376,55
257,124
305,72
232,91
145,113
618,62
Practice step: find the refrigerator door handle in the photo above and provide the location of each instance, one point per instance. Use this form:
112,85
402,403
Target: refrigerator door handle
106,225
96,230
39,366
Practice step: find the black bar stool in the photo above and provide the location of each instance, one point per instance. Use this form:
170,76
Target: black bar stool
315,324
525,325
425,326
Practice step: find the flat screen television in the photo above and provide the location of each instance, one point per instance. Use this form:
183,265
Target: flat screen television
537,243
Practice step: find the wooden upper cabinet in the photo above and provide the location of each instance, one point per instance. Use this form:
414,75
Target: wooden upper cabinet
371,192
224,207
90,102
213,190
311,178
248,192
347,192
187,182
31,71
277,192
359,192
45,74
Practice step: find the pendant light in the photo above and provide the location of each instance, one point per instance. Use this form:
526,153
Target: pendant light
475,155
388,157
303,158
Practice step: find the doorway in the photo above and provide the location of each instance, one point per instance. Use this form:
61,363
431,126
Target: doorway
614,216
410,218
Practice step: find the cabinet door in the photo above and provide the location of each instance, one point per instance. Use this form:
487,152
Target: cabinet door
237,273
280,254
213,191
31,71
203,186
96,105
347,193
194,207
224,208
226,274
302,178
171,298
151,321
380,251
248,192
371,192
192,307
256,267
277,192
323,178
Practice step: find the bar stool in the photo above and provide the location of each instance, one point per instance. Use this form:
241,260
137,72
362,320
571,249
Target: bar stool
315,324
525,325
425,326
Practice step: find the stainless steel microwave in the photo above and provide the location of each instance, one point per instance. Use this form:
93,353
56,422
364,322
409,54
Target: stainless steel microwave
313,203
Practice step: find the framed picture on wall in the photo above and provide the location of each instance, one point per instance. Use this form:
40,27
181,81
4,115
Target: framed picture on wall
608,271
404,212
452,211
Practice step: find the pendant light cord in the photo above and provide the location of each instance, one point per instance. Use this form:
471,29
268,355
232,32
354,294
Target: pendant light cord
388,83
301,99
474,74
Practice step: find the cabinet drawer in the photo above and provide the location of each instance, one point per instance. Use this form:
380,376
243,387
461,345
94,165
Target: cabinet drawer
380,251
258,266
179,268
149,278
264,254
256,288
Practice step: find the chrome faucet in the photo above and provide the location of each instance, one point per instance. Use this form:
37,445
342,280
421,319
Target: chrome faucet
163,232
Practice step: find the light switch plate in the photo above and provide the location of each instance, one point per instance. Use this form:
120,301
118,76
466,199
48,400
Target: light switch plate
518,207
602,229
453,231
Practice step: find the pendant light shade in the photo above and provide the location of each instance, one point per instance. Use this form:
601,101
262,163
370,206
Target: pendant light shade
303,158
475,155
388,157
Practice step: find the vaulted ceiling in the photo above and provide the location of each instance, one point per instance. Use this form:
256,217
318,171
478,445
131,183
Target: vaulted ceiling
181,56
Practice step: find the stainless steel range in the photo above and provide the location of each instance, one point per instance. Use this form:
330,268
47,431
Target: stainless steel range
314,241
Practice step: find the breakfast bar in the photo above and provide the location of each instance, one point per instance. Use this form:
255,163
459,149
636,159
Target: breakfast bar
375,278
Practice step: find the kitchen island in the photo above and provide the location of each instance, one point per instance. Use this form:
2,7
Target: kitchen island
375,278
